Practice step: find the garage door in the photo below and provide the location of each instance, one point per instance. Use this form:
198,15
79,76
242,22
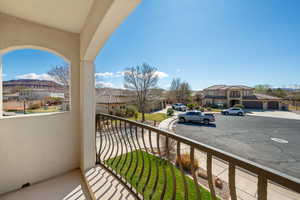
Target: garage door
253,104
273,105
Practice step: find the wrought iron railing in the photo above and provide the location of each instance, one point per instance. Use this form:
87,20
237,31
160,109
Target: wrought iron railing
156,164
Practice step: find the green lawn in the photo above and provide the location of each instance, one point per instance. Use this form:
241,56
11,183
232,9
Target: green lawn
42,110
157,166
214,110
152,117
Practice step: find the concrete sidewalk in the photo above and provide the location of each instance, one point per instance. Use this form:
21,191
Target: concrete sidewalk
275,114
246,183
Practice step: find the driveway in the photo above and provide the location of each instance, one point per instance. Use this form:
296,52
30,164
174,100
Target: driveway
272,142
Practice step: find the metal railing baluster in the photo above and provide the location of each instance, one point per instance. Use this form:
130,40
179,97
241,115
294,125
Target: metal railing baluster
197,188
262,186
231,177
210,176
185,186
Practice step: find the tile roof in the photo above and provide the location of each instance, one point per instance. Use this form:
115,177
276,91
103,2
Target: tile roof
258,96
113,95
225,87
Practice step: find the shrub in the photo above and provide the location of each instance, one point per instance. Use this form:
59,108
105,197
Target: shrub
202,174
191,106
170,112
214,106
239,106
208,108
119,112
201,109
219,183
35,106
130,111
186,162
136,116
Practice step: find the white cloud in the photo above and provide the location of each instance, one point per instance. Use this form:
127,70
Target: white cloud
103,84
167,86
105,74
161,74
122,73
36,76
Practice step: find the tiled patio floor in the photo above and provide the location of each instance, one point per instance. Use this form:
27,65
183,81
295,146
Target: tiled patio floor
70,186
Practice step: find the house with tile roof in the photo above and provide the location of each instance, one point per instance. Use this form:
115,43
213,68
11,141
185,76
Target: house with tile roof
230,95
109,100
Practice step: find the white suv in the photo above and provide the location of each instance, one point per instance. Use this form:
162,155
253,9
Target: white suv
179,106
233,111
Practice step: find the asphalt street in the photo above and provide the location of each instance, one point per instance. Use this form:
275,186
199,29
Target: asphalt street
272,142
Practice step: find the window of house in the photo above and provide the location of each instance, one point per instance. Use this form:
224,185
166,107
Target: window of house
235,93
34,81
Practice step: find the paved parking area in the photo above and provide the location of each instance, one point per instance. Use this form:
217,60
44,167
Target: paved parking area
273,142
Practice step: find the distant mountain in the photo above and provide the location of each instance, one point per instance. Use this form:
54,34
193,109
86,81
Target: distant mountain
32,84
289,89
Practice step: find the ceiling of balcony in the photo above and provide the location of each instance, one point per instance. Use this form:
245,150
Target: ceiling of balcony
67,15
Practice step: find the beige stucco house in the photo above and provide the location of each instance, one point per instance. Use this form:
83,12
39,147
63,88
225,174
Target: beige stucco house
110,100
230,95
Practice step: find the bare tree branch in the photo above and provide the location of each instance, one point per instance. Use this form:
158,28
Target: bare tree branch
61,74
141,79
180,90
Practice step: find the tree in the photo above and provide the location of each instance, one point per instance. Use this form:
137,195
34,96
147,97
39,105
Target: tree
262,88
61,74
185,91
141,79
26,95
179,90
198,98
267,89
175,89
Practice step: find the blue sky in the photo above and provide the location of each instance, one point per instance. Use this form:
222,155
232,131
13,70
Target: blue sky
204,42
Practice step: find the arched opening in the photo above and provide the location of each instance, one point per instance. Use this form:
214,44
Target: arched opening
35,80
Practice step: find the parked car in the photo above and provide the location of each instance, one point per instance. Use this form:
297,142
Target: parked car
196,116
179,106
233,111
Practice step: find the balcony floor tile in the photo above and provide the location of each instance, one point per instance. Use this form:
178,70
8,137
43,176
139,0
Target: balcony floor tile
70,186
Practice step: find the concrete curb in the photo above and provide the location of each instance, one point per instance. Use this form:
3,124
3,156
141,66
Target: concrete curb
167,123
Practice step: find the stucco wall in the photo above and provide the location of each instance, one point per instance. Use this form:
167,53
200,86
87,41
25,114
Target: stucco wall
33,148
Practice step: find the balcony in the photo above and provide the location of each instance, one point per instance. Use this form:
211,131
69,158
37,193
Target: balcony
146,161
138,161
235,96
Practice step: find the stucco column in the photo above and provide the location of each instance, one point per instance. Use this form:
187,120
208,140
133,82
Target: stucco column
280,105
87,114
265,105
1,90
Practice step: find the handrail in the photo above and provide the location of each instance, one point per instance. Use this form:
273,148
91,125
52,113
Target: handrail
124,129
